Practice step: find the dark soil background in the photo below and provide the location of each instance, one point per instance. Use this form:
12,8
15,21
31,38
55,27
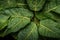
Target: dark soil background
7,38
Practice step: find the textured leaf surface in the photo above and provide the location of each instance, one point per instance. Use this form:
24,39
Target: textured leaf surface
49,15
51,5
21,3
41,16
35,5
57,10
29,33
30,19
3,21
18,12
18,19
12,3
52,16
48,28
7,3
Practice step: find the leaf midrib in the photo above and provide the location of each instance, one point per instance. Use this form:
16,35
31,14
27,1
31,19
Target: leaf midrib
48,28
29,33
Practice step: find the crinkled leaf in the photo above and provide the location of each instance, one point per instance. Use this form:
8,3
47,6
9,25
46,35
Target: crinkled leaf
7,3
17,12
35,5
48,28
57,10
3,21
49,15
29,33
18,19
21,3
50,5
17,23
52,16
41,16
12,3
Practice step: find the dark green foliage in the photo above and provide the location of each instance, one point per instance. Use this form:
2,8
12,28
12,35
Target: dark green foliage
30,19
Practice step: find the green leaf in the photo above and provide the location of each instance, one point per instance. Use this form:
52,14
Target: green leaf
17,23
40,16
29,33
12,3
3,21
18,12
48,28
30,19
58,26
57,10
52,16
58,2
49,15
35,5
7,3
50,5
17,20
21,3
